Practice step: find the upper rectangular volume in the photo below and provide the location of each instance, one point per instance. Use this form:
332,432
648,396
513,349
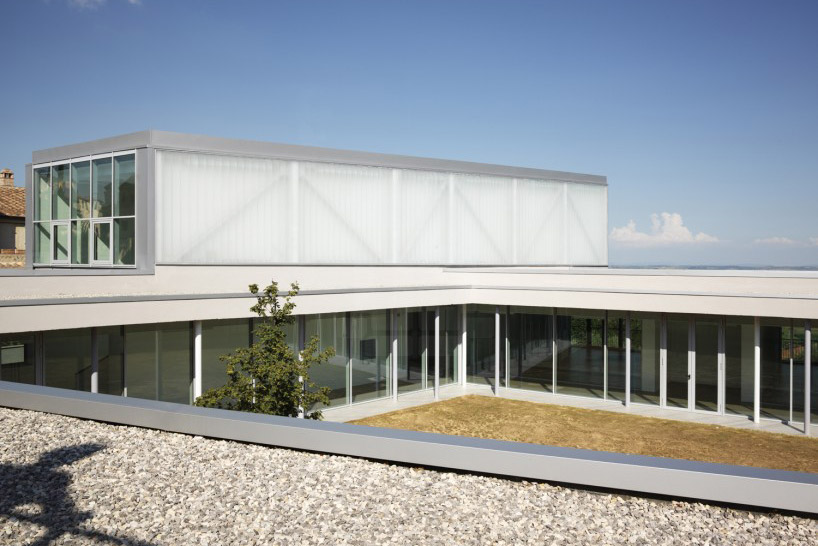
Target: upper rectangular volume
251,148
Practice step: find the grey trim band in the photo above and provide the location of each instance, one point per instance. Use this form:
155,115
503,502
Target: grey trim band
777,489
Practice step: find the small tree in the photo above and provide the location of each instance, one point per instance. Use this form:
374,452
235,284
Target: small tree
269,377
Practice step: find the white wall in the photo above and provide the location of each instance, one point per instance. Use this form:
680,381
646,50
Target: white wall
214,209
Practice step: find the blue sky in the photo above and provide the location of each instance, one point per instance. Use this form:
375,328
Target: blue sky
703,114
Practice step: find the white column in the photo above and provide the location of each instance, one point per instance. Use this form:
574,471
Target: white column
496,350
197,359
437,353
807,375
394,362
94,361
628,359
463,344
757,370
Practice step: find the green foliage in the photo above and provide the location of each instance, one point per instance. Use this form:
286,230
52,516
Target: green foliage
268,377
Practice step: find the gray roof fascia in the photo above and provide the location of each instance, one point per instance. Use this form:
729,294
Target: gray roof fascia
249,148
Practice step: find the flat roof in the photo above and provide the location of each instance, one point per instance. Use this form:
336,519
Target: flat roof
166,140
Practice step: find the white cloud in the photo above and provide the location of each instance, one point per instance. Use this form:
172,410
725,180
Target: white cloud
776,241
666,229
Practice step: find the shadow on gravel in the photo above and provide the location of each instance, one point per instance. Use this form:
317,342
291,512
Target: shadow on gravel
45,485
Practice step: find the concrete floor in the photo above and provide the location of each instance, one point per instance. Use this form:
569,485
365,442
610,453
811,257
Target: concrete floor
418,398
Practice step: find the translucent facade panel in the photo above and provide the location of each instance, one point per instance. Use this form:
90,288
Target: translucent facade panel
449,344
221,209
344,214
707,363
480,324
616,336
331,331
102,187
645,354
739,369
111,354
221,338
17,358
539,223
42,193
158,362
60,192
370,350
580,354
124,185
81,189
586,217
482,220
67,359
530,348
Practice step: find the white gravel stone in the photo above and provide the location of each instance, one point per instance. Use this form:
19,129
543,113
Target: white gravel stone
111,484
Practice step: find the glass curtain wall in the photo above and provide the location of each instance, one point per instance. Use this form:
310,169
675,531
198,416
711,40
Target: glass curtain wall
370,342
416,337
67,359
782,370
678,361
813,404
111,358
645,354
616,355
480,337
739,365
159,362
450,344
580,354
330,329
17,358
707,363
530,348
221,338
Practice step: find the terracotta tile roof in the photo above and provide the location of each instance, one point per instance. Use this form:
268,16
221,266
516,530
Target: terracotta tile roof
12,201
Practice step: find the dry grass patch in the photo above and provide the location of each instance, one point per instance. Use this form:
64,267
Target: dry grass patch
518,421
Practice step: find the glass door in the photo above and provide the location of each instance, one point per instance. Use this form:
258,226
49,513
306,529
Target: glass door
678,361
101,243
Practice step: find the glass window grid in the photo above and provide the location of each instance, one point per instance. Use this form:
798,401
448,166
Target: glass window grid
44,216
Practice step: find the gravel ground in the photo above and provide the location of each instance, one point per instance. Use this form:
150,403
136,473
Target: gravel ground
68,481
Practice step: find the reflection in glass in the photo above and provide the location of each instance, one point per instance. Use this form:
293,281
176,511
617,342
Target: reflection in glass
416,331
102,242
480,353
645,345
221,338
60,243
739,353
124,241
111,354
782,366
42,243
42,188
159,362
678,376
707,363
103,187
616,355
124,176
60,192
450,344
331,331
580,357
67,359
530,351
17,358
80,230
369,355
81,189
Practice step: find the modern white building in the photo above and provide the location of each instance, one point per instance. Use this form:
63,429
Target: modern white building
421,273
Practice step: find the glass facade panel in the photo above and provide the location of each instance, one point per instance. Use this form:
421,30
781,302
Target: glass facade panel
739,369
124,186
221,338
81,189
415,349
814,377
158,364
331,331
480,337
369,355
530,348
61,243
678,374
645,354
103,188
707,363
42,243
102,242
17,358
580,357
60,192
80,230
616,355
450,344
111,355
124,241
42,189
67,359
782,370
